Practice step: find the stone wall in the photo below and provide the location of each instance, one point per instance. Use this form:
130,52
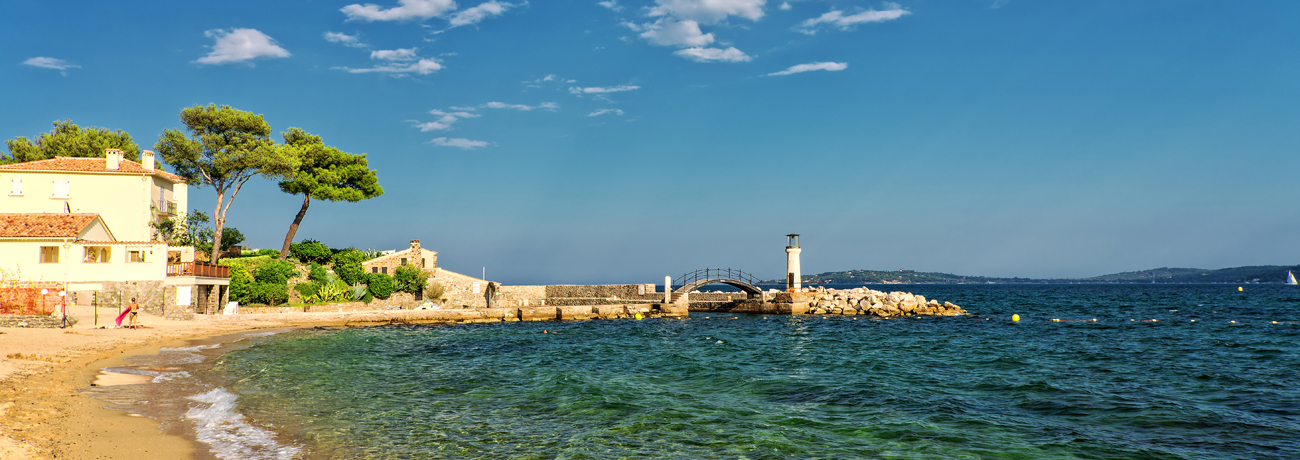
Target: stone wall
460,289
621,291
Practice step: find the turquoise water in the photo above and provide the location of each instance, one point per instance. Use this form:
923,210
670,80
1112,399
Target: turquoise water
1190,385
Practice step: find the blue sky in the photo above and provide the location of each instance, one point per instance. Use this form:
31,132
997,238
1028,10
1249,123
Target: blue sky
621,141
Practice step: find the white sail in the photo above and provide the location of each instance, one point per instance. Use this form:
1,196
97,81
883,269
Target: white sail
1290,278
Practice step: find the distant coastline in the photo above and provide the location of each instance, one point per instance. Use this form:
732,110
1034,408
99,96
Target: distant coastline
1255,274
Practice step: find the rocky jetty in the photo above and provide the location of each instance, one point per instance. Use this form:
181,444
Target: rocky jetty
869,302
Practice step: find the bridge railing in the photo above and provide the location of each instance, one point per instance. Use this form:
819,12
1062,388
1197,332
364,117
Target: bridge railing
714,274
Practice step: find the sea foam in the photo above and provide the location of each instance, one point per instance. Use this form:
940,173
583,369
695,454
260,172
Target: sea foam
230,436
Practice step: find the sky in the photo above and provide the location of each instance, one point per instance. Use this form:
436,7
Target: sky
620,141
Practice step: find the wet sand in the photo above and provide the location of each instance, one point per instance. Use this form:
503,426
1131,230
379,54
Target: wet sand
43,416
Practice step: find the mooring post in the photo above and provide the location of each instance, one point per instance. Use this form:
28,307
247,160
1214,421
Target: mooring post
668,289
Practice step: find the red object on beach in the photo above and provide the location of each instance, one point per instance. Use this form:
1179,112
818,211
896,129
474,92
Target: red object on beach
123,315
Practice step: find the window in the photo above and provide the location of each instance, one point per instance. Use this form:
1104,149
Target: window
403,261
374,269
135,256
385,270
49,254
61,188
97,254
17,188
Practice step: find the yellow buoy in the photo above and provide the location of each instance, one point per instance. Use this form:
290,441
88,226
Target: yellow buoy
638,316
1239,289
1015,318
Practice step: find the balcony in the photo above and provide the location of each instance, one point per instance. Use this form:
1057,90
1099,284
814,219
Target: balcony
197,269
166,207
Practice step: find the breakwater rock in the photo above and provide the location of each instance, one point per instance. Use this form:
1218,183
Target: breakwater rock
860,301
864,301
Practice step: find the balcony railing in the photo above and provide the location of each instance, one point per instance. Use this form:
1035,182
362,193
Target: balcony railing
167,207
198,269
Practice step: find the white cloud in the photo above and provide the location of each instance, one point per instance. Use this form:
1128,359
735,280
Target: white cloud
611,4
827,66
400,54
522,107
698,54
422,67
409,10
345,39
465,144
603,90
709,11
474,15
445,120
606,111
51,63
784,6
670,32
836,18
239,45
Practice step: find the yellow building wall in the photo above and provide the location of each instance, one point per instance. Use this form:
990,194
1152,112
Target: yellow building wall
126,202
21,261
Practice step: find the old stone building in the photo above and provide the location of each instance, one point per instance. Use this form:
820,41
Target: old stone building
387,264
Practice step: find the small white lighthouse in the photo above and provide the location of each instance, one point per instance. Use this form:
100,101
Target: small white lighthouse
792,262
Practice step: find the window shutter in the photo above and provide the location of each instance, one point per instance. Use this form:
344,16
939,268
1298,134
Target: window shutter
17,187
61,188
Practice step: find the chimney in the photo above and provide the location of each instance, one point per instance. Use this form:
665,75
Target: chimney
146,160
417,256
112,159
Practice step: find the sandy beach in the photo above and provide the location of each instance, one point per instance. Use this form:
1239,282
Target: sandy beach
43,415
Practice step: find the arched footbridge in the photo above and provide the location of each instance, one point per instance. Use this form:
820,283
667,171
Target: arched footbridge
706,276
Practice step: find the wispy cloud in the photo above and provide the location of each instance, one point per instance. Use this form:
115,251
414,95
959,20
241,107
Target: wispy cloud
827,66
464,144
611,4
670,32
353,41
837,18
422,67
51,63
445,120
678,24
699,54
473,15
785,6
603,90
522,107
709,11
241,45
406,11
606,112
400,54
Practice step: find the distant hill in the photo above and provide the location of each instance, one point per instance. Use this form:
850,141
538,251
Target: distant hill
1251,274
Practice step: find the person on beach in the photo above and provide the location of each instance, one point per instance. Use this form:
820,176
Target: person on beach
130,310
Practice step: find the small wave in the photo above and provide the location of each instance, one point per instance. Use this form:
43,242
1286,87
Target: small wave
230,436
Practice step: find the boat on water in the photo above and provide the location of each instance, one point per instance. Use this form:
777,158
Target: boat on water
1290,278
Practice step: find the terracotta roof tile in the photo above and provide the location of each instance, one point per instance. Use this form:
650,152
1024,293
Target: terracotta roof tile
44,224
88,165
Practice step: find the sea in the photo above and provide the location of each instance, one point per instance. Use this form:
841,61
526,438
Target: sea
1088,372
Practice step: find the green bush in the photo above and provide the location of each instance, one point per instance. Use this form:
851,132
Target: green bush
311,251
270,293
306,290
380,285
240,283
409,278
275,272
268,252
347,265
318,274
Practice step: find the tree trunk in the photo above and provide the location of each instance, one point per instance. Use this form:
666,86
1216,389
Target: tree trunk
218,222
293,228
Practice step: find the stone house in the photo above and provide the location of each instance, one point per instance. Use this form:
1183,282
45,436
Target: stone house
387,264
83,225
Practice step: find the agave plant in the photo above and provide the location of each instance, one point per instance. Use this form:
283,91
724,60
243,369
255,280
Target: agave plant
359,291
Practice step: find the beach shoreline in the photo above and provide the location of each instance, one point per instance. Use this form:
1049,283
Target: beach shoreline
41,370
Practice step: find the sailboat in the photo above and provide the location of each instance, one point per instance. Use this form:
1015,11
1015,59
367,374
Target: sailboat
1290,278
